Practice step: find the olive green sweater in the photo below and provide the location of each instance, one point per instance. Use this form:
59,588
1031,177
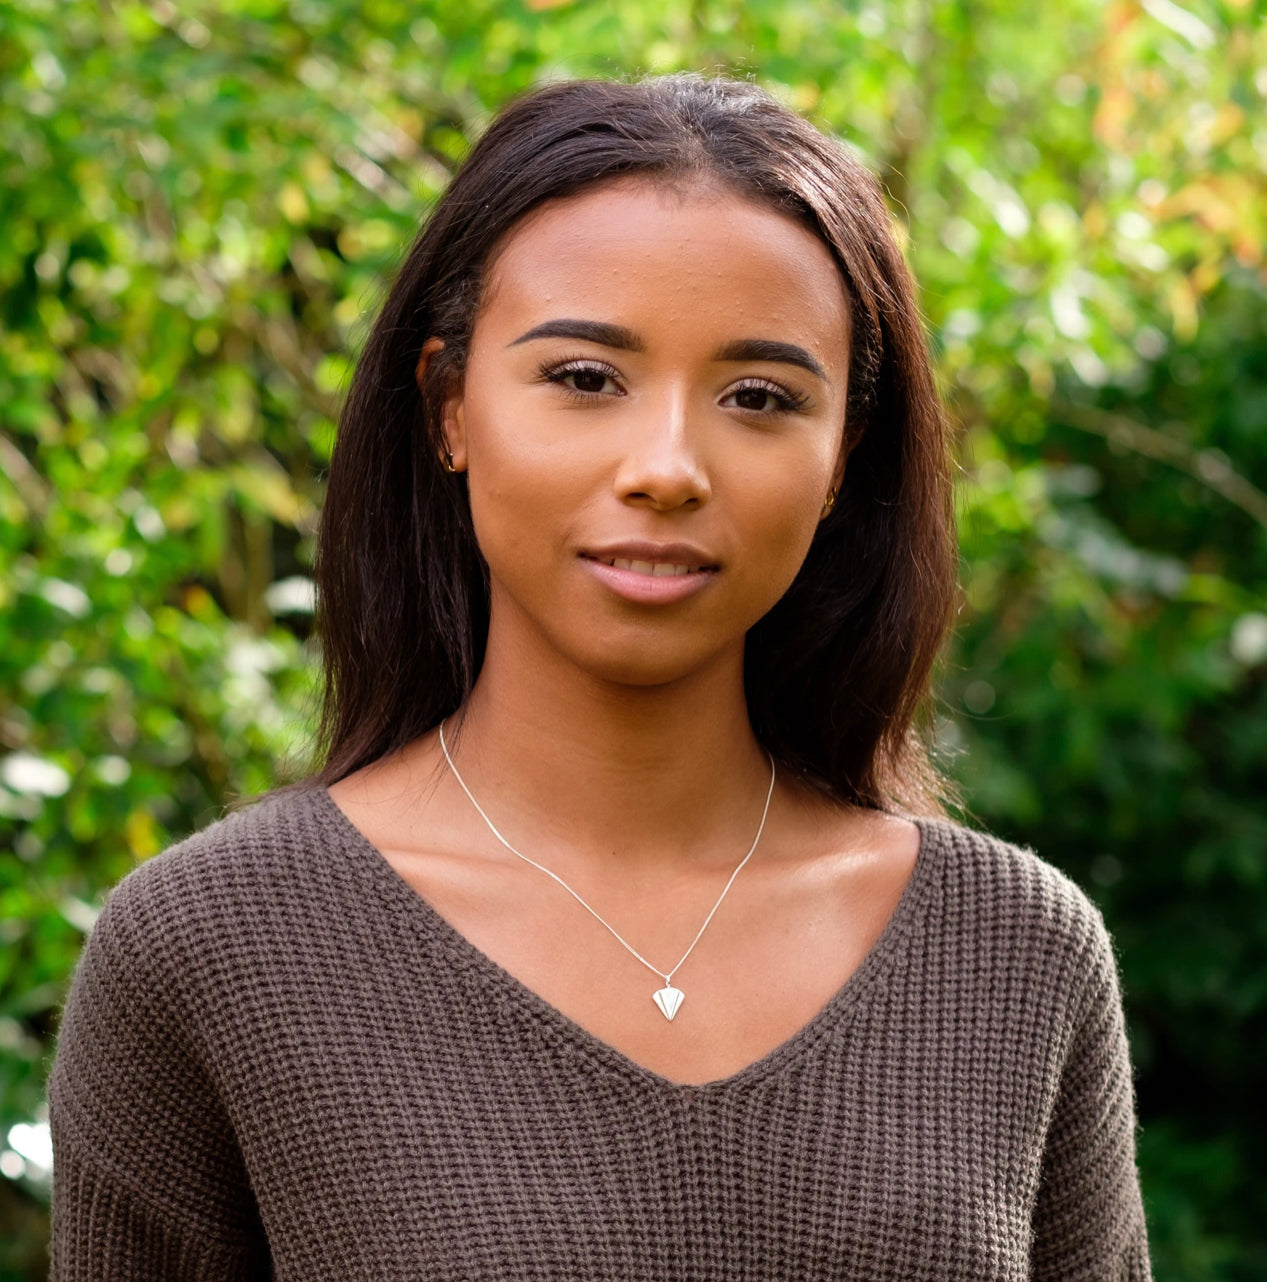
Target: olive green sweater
277,1061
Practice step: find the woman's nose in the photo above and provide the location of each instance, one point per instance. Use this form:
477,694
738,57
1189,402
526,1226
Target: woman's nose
662,467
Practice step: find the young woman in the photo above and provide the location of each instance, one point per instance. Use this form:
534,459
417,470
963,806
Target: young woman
620,935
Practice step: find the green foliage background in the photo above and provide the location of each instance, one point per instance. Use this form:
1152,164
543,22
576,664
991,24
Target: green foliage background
200,203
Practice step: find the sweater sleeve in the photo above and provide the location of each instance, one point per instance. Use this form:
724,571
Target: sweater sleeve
1089,1218
148,1180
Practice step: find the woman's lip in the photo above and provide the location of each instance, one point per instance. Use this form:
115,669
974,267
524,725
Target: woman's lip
646,550
637,585
662,566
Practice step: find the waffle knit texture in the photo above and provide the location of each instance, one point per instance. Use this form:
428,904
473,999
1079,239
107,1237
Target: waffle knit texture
276,1060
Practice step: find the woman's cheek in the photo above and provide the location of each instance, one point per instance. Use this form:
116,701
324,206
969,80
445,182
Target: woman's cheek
793,519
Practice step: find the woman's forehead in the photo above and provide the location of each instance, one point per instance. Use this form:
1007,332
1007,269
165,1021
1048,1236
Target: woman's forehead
642,251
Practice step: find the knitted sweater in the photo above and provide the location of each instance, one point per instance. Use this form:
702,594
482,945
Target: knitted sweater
276,1060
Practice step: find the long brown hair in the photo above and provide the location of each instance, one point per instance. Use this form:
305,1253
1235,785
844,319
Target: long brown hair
837,671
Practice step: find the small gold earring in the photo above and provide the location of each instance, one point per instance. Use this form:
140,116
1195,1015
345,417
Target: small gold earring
830,499
448,462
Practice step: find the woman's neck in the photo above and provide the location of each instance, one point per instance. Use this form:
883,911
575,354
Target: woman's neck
650,776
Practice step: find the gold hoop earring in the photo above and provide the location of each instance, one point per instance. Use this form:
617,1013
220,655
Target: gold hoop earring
829,500
448,462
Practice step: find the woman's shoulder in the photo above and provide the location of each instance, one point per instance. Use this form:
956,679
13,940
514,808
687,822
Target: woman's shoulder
998,896
276,824
218,877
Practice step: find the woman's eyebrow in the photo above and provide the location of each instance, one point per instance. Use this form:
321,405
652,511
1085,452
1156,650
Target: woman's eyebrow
769,349
622,339
600,332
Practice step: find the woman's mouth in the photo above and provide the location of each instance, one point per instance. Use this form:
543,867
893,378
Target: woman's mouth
658,569
649,582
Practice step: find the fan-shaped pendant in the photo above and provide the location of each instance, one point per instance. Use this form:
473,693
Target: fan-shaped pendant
668,999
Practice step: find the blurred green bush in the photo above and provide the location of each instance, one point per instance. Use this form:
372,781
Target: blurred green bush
201,202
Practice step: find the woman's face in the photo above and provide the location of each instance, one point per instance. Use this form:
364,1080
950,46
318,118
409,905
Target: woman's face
650,419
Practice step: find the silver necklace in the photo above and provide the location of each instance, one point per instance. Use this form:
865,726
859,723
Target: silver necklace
668,999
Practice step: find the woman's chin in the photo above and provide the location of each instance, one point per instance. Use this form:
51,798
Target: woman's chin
647,664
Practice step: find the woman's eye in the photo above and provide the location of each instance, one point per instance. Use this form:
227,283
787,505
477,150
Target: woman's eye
583,381
762,399
588,380
756,398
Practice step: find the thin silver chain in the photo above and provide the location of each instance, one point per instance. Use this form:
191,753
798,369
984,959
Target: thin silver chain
668,979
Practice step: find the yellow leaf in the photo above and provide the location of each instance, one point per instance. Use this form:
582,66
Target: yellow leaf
141,833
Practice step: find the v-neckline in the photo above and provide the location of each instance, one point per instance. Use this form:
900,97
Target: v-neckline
864,978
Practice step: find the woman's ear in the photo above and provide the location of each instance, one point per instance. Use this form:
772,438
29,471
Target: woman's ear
838,474
837,479
452,420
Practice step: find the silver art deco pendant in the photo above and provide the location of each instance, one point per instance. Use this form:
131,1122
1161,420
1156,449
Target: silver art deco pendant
668,999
